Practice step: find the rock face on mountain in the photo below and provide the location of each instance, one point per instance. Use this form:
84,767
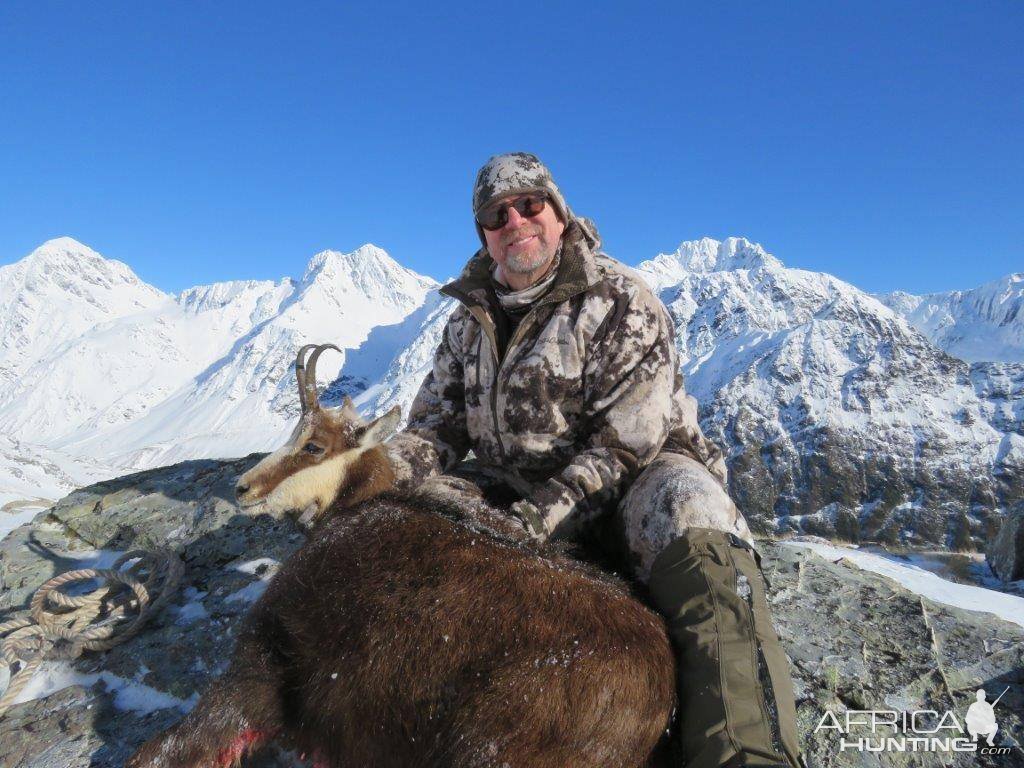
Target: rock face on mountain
839,417
1005,551
882,647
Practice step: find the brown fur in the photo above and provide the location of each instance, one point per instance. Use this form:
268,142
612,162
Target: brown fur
369,476
455,641
428,630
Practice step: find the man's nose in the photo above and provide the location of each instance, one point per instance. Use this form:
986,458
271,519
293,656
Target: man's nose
514,218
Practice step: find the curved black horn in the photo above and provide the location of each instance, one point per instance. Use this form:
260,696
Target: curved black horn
300,374
312,399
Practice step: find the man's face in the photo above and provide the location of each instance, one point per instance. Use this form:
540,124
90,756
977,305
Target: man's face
525,245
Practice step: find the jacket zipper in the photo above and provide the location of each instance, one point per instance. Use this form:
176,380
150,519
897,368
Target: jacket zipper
488,325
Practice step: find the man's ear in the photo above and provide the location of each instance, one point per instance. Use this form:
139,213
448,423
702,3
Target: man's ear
381,428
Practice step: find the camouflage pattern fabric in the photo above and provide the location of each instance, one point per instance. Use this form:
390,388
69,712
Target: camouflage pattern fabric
573,406
672,495
583,412
515,173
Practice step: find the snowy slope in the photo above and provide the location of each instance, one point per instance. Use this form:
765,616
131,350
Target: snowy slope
120,369
984,324
389,368
57,292
921,581
246,400
34,473
204,373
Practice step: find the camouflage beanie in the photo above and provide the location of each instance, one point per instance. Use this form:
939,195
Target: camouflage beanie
515,173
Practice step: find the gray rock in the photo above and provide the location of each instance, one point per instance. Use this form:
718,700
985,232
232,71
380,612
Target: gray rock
856,640
1005,552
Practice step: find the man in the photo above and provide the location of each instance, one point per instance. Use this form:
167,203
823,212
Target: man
559,371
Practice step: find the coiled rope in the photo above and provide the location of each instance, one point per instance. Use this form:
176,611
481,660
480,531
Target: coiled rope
63,626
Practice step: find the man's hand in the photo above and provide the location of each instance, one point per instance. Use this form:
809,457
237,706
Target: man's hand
527,513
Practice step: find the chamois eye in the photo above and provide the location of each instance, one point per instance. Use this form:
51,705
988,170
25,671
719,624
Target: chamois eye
313,448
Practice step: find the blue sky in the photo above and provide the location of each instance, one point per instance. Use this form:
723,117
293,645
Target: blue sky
881,142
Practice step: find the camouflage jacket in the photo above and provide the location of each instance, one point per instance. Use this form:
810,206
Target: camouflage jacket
568,410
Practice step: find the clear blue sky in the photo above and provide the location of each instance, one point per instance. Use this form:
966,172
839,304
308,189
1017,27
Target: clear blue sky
881,142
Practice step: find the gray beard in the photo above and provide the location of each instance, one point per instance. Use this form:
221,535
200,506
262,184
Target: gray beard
523,264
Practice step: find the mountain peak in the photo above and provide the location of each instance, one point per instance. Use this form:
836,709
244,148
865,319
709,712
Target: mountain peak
704,256
982,324
64,259
367,268
710,255
367,274
63,249
60,290
65,242
367,257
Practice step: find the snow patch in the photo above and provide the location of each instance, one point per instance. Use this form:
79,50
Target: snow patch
923,582
248,594
9,520
129,695
263,567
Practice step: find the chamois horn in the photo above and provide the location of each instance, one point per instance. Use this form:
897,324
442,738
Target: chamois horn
312,398
300,374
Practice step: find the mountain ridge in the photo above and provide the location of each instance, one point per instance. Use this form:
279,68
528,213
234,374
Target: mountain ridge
981,324
837,412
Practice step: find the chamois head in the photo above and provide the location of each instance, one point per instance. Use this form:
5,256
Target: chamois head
331,456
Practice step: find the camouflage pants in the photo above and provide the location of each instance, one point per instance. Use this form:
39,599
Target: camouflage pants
672,494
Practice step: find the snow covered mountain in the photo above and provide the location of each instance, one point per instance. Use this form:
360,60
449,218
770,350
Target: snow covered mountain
841,412
838,414
984,324
58,292
839,417
31,473
389,367
158,378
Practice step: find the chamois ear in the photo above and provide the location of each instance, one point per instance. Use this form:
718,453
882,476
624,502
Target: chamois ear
381,428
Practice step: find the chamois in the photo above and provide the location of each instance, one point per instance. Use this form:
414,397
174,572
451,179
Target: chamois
422,629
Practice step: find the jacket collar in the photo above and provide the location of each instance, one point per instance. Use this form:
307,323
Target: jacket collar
577,271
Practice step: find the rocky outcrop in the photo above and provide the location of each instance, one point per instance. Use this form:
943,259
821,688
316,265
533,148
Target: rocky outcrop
1005,553
856,640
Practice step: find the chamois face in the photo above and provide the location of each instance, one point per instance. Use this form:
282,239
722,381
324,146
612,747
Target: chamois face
309,470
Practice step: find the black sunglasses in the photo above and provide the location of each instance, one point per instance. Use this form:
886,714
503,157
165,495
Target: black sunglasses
496,216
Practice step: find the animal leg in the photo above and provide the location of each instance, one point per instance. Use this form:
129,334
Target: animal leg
225,724
239,712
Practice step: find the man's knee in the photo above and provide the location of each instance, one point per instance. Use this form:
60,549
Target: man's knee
673,494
